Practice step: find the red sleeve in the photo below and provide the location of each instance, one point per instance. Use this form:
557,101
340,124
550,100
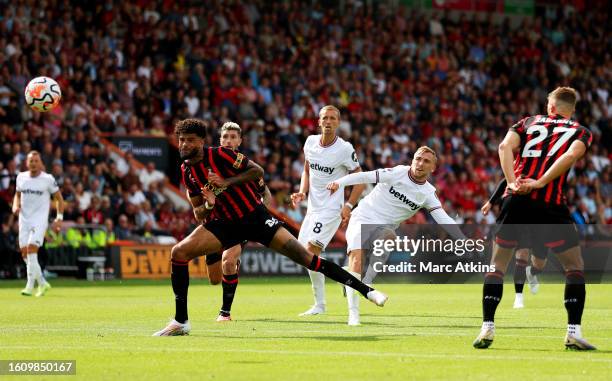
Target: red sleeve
520,127
189,182
585,136
232,159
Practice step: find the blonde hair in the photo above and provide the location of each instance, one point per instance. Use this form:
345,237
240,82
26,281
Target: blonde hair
231,126
427,149
564,97
329,107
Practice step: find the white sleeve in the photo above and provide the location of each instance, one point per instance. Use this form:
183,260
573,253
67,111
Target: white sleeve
18,184
350,161
384,175
358,178
432,202
53,187
441,217
447,223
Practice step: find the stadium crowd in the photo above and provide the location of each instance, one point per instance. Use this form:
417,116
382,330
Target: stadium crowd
401,78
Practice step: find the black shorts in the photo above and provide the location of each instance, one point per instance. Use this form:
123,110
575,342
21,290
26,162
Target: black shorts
258,226
543,226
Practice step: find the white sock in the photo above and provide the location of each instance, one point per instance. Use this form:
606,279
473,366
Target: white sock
574,330
519,296
353,296
30,274
36,270
318,287
488,325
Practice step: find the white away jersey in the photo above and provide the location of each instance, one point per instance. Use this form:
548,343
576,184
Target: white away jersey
35,196
397,197
327,164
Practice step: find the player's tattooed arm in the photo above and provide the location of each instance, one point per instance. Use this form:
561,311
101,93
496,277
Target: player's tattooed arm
203,204
267,196
253,172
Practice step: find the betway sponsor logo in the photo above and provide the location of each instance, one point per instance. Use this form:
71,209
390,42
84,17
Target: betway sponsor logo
402,197
318,167
32,191
267,262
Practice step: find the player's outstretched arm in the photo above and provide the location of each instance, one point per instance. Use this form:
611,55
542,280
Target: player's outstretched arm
370,177
448,224
562,164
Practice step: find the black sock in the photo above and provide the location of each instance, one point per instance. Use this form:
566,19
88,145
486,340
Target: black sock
575,294
535,271
519,275
492,291
180,285
337,273
229,284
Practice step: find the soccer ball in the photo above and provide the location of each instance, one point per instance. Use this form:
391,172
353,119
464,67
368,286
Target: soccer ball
42,94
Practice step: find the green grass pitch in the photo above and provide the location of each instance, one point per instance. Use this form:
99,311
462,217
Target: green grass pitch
424,332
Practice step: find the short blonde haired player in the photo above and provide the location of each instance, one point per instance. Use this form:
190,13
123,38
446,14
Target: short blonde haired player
546,147
226,270
327,158
399,194
32,202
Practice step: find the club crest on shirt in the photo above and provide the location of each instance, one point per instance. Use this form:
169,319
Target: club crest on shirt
238,162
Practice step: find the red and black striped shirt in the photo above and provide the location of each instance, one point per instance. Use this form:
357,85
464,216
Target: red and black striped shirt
233,202
544,138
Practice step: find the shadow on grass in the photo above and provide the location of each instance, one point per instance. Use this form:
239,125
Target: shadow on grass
428,316
350,338
553,350
312,321
72,282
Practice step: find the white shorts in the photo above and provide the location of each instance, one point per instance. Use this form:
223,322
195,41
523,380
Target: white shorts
353,231
318,229
32,234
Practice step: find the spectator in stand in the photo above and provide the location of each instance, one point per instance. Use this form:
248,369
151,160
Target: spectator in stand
453,82
150,175
123,230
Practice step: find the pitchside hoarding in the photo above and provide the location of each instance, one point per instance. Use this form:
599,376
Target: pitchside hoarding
149,262
411,253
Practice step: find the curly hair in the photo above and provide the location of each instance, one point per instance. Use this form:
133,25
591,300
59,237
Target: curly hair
190,126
